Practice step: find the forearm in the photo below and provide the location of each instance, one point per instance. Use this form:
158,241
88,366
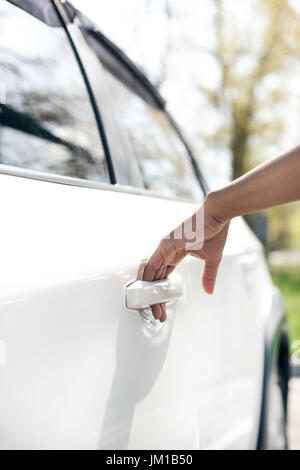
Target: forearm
270,184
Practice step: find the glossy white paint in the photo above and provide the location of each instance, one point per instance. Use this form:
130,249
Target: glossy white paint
82,371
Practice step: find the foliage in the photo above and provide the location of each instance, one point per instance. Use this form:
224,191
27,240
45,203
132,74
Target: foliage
284,227
287,278
253,64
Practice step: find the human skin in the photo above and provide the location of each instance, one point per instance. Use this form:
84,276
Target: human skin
270,184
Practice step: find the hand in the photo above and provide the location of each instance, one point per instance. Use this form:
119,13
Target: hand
171,250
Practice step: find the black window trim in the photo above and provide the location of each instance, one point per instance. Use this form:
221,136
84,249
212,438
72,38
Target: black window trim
151,95
48,15
197,171
61,14
67,13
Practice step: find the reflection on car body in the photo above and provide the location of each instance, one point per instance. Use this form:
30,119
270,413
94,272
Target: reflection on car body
81,370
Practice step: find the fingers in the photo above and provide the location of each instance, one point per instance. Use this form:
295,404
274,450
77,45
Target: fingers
163,313
163,261
153,265
156,311
161,273
209,275
159,312
169,270
164,255
159,266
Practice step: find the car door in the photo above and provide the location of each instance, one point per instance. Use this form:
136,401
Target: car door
216,357
78,369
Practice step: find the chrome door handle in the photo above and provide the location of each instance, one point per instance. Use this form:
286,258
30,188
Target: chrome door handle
142,294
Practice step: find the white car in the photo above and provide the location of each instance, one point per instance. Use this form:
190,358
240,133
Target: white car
93,172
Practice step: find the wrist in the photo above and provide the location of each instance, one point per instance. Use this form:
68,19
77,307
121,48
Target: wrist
215,206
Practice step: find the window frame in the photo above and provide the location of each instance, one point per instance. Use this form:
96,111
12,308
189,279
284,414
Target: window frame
62,23
151,95
175,128
63,11
62,14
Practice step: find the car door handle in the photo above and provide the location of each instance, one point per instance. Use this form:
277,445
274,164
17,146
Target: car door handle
142,294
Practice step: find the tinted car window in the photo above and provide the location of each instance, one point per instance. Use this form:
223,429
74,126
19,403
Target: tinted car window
46,119
162,157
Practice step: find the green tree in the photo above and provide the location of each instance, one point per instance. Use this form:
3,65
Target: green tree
246,59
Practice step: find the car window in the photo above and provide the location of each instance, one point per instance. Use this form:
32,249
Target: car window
47,122
161,155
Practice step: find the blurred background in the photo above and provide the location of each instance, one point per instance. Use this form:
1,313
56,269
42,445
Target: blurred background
230,73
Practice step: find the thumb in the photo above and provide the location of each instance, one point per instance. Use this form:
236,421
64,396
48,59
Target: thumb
209,275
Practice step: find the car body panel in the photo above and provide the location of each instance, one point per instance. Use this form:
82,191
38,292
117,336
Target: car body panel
78,369
82,370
